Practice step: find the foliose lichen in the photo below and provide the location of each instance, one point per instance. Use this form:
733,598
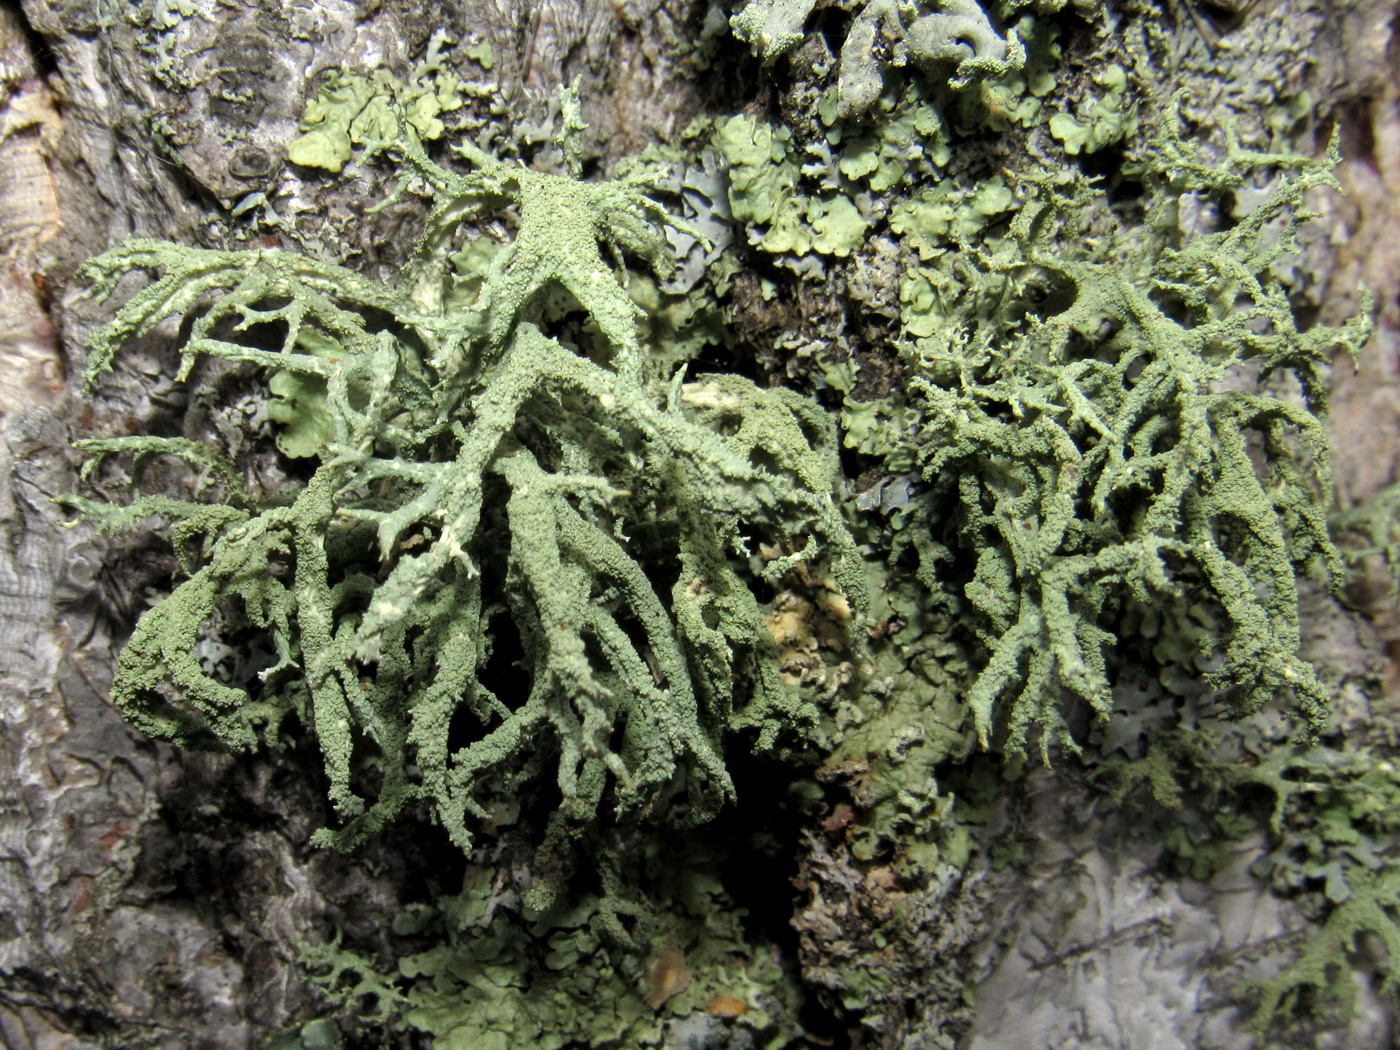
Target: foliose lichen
952,39
487,975
1058,322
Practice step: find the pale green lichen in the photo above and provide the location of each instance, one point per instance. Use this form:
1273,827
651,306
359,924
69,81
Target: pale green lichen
298,403
1089,452
1371,530
946,213
491,978
1105,443
764,193
1075,447
956,42
354,110
772,27
1103,120
808,194
479,477
1362,888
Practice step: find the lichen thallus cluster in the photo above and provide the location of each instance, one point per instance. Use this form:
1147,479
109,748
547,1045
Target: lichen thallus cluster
486,473
1099,461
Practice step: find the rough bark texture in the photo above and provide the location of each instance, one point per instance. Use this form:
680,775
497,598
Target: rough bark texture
132,913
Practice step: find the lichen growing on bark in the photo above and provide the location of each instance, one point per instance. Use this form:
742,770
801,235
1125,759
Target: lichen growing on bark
495,478
1077,405
1092,452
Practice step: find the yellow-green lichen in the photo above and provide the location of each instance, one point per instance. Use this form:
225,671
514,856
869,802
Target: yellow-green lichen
764,193
1104,120
354,110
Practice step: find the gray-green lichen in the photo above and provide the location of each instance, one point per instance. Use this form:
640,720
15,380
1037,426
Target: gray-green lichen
953,40
1328,816
772,27
1068,411
1095,454
1058,324
488,479
1071,354
489,975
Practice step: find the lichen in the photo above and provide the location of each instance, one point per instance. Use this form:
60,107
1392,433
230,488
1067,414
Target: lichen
1059,330
1066,409
1371,530
488,480
772,27
956,41
354,110
1088,451
1102,121
487,974
764,192
1328,815
1077,390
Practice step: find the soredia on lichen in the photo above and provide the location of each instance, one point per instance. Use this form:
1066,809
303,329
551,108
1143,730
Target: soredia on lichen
1089,444
490,477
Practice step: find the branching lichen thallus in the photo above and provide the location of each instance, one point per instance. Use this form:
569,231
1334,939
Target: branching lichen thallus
490,482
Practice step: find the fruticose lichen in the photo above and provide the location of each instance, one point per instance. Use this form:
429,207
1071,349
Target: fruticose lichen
1092,454
1069,352
1371,529
1329,819
1079,445
1056,317
494,483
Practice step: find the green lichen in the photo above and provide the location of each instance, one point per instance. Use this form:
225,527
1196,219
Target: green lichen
772,27
1263,76
956,42
485,480
1329,816
483,54
488,975
314,1035
885,803
1102,439
1322,979
809,192
1333,832
1102,121
298,402
946,213
1080,414
953,43
1089,451
764,193
882,155
355,110
1371,530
